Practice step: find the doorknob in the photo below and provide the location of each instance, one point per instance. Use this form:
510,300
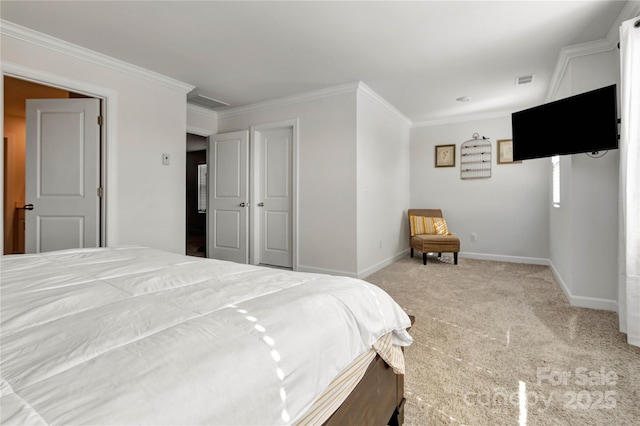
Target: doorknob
27,207
260,204
243,204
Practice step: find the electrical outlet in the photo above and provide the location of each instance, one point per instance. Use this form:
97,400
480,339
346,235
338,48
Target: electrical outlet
165,159
474,237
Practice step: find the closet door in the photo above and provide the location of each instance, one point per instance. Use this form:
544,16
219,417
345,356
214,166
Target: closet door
274,193
227,227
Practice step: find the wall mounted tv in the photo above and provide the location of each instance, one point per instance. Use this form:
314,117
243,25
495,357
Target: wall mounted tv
587,122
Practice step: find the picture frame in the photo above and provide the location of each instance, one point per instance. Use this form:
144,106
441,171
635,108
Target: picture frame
445,155
505,152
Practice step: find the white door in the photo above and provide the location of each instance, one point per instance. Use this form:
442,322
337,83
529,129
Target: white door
274,184
227,217
62,174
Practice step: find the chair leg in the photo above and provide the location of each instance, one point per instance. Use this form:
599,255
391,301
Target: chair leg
411,251
455,258
439,254
424,258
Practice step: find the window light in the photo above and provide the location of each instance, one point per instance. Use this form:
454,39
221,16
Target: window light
555,173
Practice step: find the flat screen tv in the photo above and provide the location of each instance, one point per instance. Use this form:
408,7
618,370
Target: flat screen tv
587,122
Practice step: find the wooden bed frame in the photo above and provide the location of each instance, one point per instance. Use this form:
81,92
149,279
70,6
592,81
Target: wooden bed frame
377,400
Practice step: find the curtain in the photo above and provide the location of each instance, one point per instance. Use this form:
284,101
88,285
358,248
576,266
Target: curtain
629,253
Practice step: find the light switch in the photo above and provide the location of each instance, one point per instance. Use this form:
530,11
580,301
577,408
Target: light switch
165,159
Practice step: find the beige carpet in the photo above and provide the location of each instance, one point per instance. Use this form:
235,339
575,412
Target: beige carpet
490,335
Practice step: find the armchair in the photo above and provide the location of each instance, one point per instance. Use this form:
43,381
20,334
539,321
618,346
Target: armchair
437,239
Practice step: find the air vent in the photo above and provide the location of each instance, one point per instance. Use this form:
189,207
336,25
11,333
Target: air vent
205,102
524,79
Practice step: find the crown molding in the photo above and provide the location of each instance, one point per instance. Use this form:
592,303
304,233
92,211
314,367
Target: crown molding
462,118
9,29
202,111
353,87
290,100
567,53
380,101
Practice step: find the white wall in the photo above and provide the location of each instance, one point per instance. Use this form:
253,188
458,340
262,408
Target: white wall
201,121
326,172
508,211
561,228
145,200
382,182
584,230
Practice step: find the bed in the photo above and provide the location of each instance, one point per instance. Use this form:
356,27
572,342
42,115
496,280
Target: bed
133,335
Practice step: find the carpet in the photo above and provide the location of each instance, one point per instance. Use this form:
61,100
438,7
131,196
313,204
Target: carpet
497,343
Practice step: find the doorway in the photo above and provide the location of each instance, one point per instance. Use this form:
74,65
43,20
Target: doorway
16,92
196,202
252,195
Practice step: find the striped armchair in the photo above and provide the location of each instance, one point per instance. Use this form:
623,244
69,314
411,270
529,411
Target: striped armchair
435,240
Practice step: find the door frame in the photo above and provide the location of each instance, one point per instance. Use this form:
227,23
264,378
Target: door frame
254,134
9,140
206,133
108,134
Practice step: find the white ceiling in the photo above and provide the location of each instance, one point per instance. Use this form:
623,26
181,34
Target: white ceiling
418,55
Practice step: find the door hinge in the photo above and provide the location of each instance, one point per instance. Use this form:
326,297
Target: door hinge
100,120
100,192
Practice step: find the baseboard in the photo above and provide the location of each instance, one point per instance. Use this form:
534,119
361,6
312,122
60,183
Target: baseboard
375,268
594,303
505,258
315,270
581,301
577,301
362,274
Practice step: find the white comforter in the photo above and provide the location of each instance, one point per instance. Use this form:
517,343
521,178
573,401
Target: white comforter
134,335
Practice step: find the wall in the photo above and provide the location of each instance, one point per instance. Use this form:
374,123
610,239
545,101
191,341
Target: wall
201,121
561,228
382,183
326,175
584,230
146,117
508,211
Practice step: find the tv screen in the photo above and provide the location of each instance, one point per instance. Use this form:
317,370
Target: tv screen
587,122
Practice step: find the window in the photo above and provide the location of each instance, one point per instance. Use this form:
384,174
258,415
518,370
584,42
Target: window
202,188
555,173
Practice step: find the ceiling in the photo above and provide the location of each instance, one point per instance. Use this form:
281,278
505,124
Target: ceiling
420,56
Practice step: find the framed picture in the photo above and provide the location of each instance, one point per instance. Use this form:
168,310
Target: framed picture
505,152
445,156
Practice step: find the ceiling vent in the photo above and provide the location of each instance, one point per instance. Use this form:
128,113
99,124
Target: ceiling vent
205,102
524,79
